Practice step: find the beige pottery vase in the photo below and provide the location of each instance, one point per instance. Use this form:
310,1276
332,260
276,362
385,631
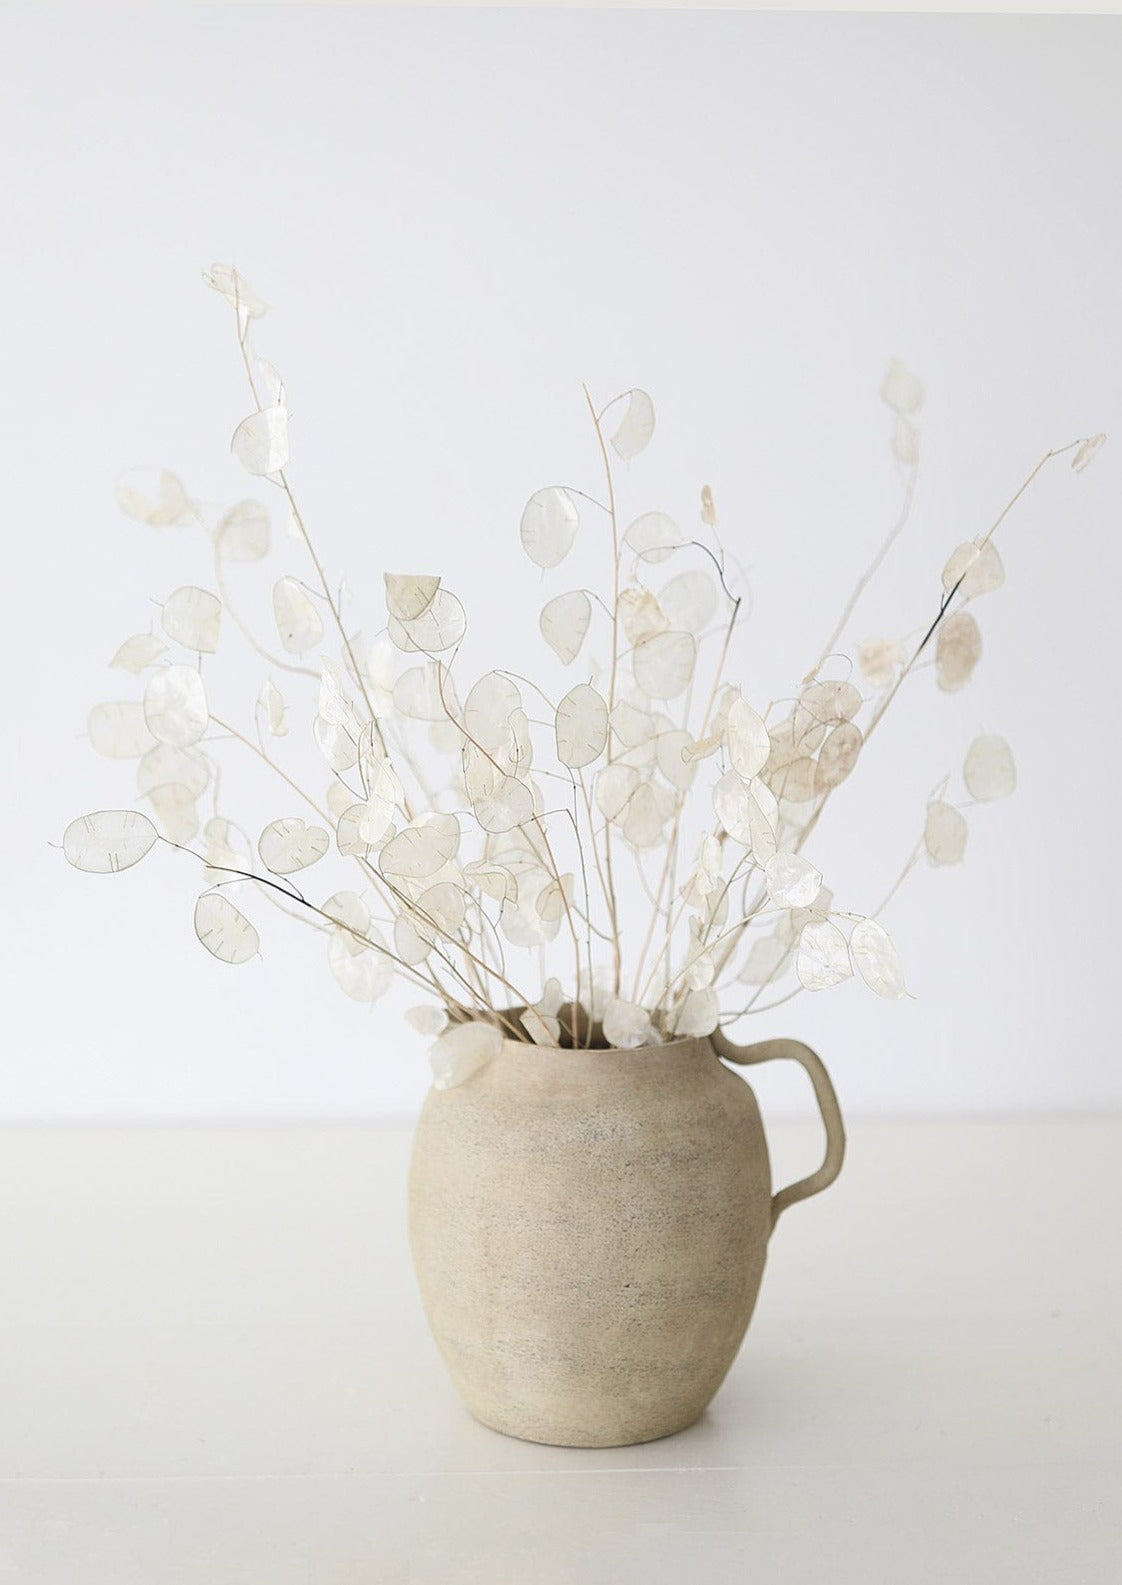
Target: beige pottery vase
589,1231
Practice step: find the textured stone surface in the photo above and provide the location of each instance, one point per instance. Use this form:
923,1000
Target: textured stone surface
589,1231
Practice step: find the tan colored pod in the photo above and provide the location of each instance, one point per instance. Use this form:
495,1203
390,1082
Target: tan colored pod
589,1231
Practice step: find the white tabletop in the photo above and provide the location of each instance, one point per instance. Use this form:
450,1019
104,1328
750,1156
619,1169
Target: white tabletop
214,1369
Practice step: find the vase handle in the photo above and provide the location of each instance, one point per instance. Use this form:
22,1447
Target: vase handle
767,1051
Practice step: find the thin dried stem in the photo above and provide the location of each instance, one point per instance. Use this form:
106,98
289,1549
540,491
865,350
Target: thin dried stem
780,1001
282,480
278,770
246,631
673,919
944,607
613,905
536,821
868,575
255,748
293,894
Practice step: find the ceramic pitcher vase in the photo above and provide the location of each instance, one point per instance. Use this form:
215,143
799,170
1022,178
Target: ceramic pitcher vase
589,1230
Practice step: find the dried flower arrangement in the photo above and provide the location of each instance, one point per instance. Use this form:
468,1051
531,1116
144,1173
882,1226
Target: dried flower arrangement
500,890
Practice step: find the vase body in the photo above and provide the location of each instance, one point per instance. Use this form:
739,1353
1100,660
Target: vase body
589,1231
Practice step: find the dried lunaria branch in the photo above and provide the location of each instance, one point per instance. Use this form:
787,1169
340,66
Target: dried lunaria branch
488,828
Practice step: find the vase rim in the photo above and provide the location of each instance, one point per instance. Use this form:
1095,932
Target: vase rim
679,1044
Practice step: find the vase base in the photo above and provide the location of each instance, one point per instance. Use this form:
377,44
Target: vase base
584,1439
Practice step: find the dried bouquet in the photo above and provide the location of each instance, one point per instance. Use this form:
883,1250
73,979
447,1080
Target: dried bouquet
620,866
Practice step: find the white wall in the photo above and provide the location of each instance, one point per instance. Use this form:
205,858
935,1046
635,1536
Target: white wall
458,216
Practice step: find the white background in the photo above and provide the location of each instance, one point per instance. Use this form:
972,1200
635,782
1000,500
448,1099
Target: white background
458,216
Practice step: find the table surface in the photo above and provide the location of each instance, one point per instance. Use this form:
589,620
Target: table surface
214,1369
